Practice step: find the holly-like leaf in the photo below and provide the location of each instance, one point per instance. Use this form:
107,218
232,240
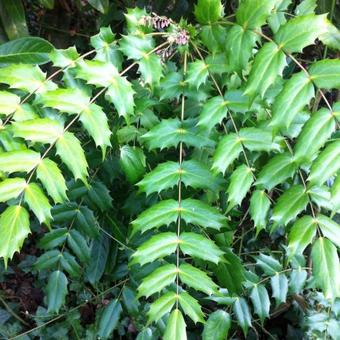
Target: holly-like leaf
64,58
157,280
200,247
240,44
166,175
208,11
132,161
42,130
197,73
19,161
240,183
161,306
289,205
306,7
326,267
314,135
253,13
70,100
259,209
9,102
326,73
14,228
295,95
70,151
268,64
120,93
277,170
197,279
228,149
261,302
176,327
38,203
56,291
241,310
329,228
300,32
11,188
109,319
217,326
78,245
166,212
170,132
279,284
301,235
51,177
136,46
156,247
256,139
268,264
150,68
25,77
191,307
326,164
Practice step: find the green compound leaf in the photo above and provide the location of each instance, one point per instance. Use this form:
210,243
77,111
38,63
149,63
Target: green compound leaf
42,130
132,161
170,132
329,228
166,175
199,247
17,161
301,235
166,212
11,188
217,326
268,64
197,73
259,209
240,183
289,205
161,306
276,171
314,134
208,11
326,164
326,268
14,229
197,279
71,153
56,291
241,310
253,13
9,103
51,177
261,302
326,73
279,284
228,149
176,327
109,319
295,95
191,307
38,203
156,247
157,280
300,32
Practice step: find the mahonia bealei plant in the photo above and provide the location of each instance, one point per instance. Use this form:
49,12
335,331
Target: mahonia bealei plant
232,126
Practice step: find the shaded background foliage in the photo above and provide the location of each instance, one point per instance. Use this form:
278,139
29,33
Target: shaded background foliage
66,23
